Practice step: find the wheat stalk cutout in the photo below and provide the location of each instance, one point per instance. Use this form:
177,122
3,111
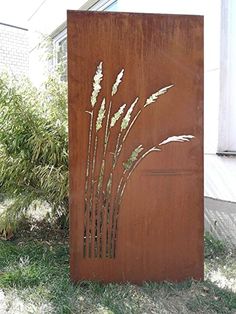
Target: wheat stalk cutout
88,180
102,206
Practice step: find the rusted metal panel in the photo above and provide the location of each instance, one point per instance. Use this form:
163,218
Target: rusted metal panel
136,146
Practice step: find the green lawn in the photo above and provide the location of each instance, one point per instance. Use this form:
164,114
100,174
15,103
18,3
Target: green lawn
34,278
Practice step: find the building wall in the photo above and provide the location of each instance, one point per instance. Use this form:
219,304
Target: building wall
14,50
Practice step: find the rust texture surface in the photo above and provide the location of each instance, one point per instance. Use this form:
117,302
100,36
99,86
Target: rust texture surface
135,146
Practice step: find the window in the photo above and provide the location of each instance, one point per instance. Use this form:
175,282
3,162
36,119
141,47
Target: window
60,54
100,5
227,113
105,6
60,39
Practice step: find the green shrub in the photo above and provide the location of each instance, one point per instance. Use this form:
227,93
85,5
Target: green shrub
33,147
213,247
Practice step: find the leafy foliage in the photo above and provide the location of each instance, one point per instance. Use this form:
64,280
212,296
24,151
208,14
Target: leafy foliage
213,247
33,147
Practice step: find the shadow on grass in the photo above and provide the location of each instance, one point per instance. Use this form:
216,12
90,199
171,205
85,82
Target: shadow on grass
39,272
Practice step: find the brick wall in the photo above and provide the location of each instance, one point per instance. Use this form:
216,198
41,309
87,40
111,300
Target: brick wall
14,50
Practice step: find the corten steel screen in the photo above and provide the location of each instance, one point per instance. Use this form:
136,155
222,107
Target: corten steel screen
135,146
